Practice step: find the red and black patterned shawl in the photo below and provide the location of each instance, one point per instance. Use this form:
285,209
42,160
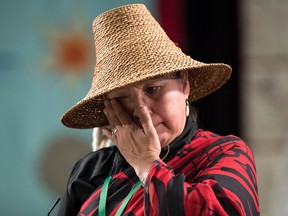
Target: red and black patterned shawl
205,174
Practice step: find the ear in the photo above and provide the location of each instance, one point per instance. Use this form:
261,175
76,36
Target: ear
186,83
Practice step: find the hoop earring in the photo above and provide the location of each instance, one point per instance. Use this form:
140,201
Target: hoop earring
187,110
168,150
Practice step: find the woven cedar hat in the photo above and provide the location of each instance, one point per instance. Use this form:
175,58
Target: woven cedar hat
131,47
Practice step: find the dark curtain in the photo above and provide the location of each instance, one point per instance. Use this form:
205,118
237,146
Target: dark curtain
208,31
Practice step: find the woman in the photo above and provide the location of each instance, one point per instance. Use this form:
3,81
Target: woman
161,164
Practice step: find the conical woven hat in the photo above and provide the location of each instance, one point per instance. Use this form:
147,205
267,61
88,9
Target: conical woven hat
131,47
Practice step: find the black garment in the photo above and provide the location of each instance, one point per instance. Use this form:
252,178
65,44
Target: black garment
90,172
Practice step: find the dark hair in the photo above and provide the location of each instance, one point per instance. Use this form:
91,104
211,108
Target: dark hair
193,113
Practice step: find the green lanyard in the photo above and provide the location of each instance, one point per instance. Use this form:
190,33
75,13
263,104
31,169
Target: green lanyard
103,197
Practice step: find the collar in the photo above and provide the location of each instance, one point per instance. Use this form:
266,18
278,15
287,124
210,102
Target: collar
184,138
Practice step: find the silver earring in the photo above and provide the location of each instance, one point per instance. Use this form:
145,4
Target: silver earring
187,110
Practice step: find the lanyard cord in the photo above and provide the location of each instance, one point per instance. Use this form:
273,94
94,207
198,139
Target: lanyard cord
103,197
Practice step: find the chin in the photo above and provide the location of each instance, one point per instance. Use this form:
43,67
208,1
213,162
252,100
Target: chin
164,135
164,141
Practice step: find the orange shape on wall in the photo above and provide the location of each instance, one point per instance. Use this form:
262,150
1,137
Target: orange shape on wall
72,52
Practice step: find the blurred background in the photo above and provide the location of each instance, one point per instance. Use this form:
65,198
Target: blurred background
46,64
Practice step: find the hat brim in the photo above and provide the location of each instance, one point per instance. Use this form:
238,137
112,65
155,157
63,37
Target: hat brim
204,79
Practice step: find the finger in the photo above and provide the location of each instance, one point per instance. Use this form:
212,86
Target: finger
145,119
110,114
108,134
112,125
121,114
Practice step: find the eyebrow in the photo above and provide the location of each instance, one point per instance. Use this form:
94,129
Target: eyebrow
156,79
175,75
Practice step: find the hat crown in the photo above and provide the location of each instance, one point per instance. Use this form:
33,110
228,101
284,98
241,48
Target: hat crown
125,26
128,42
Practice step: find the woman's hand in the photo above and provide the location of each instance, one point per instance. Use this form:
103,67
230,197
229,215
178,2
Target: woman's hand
139,144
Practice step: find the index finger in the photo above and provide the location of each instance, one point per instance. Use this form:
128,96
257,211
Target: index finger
145,119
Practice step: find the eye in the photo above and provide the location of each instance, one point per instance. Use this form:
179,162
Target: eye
121,99
152,89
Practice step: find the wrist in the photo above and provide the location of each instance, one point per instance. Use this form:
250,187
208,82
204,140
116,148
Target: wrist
143,177
143,173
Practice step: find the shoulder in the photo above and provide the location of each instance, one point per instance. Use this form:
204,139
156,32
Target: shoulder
87,174
209,140
212,137
89,171
227,152
94,163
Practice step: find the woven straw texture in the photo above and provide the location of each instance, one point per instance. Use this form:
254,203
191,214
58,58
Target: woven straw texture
131,47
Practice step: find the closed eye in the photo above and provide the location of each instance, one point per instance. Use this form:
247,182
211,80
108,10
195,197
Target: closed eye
120,97
152,89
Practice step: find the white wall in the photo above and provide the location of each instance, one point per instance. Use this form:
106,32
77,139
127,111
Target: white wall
265,97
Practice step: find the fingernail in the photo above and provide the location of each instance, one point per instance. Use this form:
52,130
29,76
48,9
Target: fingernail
142,109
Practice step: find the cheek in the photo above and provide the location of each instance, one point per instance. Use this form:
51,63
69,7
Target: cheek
172,113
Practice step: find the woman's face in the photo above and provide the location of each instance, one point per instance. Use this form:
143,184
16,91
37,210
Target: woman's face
165,99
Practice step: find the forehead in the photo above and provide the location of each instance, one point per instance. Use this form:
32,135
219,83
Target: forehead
143,83
175,75
170,76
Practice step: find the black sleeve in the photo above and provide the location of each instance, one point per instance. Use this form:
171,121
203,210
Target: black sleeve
86,176
67,206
